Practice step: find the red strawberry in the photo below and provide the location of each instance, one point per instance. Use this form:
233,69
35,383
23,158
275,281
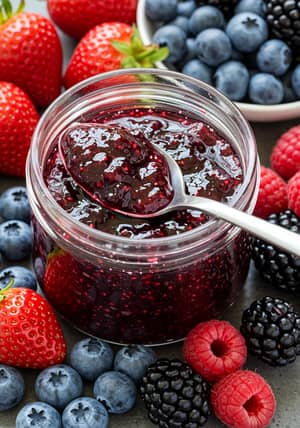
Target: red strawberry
70,291
31,55
18,119
108,47
30,335
77,17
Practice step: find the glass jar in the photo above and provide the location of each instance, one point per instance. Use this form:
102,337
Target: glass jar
149,291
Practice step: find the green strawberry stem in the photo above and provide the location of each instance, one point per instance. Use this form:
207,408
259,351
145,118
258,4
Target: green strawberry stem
137,55
6,10
4,290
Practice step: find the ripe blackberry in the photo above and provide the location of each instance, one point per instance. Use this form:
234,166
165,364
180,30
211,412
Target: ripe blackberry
271,329
226,6
283,17
274,265
175,396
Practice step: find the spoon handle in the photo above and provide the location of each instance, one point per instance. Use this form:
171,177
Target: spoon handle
276,235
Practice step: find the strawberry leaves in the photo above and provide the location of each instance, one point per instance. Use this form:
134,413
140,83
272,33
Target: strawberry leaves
137,55
6,10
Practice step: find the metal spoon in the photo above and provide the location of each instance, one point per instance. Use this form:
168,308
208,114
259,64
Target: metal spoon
276,235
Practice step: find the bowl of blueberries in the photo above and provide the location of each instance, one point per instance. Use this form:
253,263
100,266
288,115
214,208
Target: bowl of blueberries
247,49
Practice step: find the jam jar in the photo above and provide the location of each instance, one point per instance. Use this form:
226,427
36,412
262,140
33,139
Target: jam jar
146,281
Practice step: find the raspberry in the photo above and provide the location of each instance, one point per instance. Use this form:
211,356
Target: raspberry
294,194
243,400
214,349
272,195
285,158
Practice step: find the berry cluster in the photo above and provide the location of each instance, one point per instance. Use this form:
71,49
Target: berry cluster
178,394
15,230
279,203
59,388
247,49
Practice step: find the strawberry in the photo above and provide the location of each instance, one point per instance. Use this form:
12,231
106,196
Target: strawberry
30,334
18,119
107,47
77,17
70,291
31,54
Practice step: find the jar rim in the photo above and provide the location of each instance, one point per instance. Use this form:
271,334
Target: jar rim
211,228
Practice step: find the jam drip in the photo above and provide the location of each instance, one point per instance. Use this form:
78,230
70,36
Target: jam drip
116,169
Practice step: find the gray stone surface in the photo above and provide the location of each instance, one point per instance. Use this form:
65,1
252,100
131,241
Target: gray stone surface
285,381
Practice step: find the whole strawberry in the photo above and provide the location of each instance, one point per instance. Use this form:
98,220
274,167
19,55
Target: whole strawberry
107,47
18,119
31,54
77,17
30,335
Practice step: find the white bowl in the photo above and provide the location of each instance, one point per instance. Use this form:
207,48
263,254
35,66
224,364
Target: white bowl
253,112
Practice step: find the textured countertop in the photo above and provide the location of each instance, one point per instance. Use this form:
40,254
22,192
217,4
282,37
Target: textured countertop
284,381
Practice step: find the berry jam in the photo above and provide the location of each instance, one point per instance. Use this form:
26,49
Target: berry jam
209,164
140,305
116,169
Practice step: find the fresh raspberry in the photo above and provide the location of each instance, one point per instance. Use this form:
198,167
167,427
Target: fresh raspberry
243,400
294,194
285,157
272,195
214,349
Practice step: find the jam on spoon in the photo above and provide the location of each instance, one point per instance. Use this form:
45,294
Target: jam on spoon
133,178
116,169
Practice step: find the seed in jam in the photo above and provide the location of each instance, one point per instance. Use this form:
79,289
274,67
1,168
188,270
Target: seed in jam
116,169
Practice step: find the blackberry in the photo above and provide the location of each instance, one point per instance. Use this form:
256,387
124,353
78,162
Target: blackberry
175,396
283,17
226,6
274,265
271,329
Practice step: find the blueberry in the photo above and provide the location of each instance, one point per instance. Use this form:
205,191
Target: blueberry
174,38
265,89
199,70
15,239
247,31
296,80
289,93
58,385
38,415
206,17
12,387
186,8
85,412
254,6
133,360
91,358
190,50
275,57
181,22
14,204
116,391
22,277
161,10
232,78
213,46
